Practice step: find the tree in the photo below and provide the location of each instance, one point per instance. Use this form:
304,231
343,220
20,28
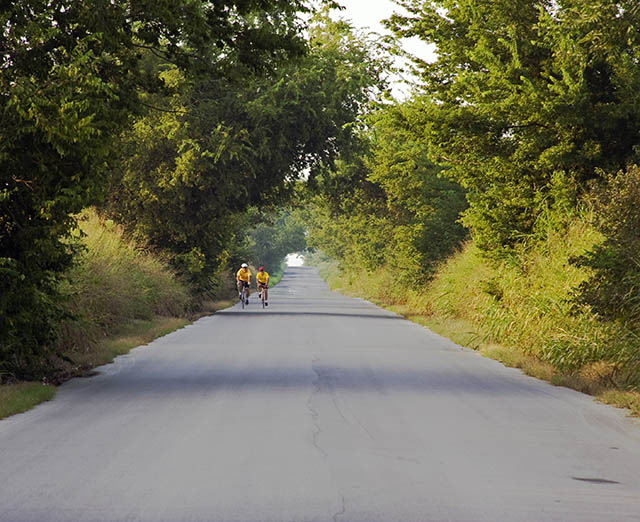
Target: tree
389,207
274,238
71,80
530,101
225,144
423,205
613,289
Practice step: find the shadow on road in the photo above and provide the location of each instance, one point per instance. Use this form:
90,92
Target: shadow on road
324,379
268,311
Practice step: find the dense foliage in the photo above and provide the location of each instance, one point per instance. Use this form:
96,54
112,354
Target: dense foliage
271,240
189,173
389,205
184,114
614,288
112,283
531,107
531,99
73,76
193,123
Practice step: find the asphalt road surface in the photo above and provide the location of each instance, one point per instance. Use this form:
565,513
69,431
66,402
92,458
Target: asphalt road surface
319,408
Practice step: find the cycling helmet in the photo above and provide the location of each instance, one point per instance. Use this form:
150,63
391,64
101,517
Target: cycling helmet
245,265
261,268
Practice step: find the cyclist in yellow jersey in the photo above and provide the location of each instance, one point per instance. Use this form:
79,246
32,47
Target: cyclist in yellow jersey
262,282
243,278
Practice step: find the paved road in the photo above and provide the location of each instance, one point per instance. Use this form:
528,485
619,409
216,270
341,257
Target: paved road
320,408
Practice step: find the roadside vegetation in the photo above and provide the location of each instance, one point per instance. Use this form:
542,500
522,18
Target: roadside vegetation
523,315
145,155
499,204
22,396
119,295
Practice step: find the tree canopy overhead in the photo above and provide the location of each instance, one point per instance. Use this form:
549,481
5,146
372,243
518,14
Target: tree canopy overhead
183,113
223,144
73,76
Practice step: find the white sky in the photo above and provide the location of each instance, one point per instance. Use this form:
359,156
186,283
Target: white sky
368,14
294,260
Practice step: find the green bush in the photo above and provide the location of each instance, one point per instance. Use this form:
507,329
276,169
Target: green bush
614,289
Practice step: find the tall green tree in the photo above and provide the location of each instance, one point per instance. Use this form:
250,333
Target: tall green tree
71,78
530,101
224,144
423,205
393,208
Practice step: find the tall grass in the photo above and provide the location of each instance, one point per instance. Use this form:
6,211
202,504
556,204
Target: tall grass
526,302
521,311
114,283
119,295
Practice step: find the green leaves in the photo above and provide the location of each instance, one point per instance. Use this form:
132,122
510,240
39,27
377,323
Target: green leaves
223,144
272,239
73,76
613,291
524,90
390,206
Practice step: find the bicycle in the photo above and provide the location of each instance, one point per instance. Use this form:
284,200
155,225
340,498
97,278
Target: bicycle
262,289
242,295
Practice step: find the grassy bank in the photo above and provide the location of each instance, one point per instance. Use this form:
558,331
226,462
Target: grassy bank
119,296
22,396
114,283
520,313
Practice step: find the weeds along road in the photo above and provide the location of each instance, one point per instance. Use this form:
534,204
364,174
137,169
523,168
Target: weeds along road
319,408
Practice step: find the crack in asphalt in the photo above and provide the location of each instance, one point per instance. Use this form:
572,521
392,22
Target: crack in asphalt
341,512
314,413
318,430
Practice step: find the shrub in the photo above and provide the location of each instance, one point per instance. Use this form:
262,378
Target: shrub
614,289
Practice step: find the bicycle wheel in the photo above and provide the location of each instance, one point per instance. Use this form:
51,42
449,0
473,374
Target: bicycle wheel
242,299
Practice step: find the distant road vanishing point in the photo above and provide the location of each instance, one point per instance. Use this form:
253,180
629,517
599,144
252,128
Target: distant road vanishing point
319,408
